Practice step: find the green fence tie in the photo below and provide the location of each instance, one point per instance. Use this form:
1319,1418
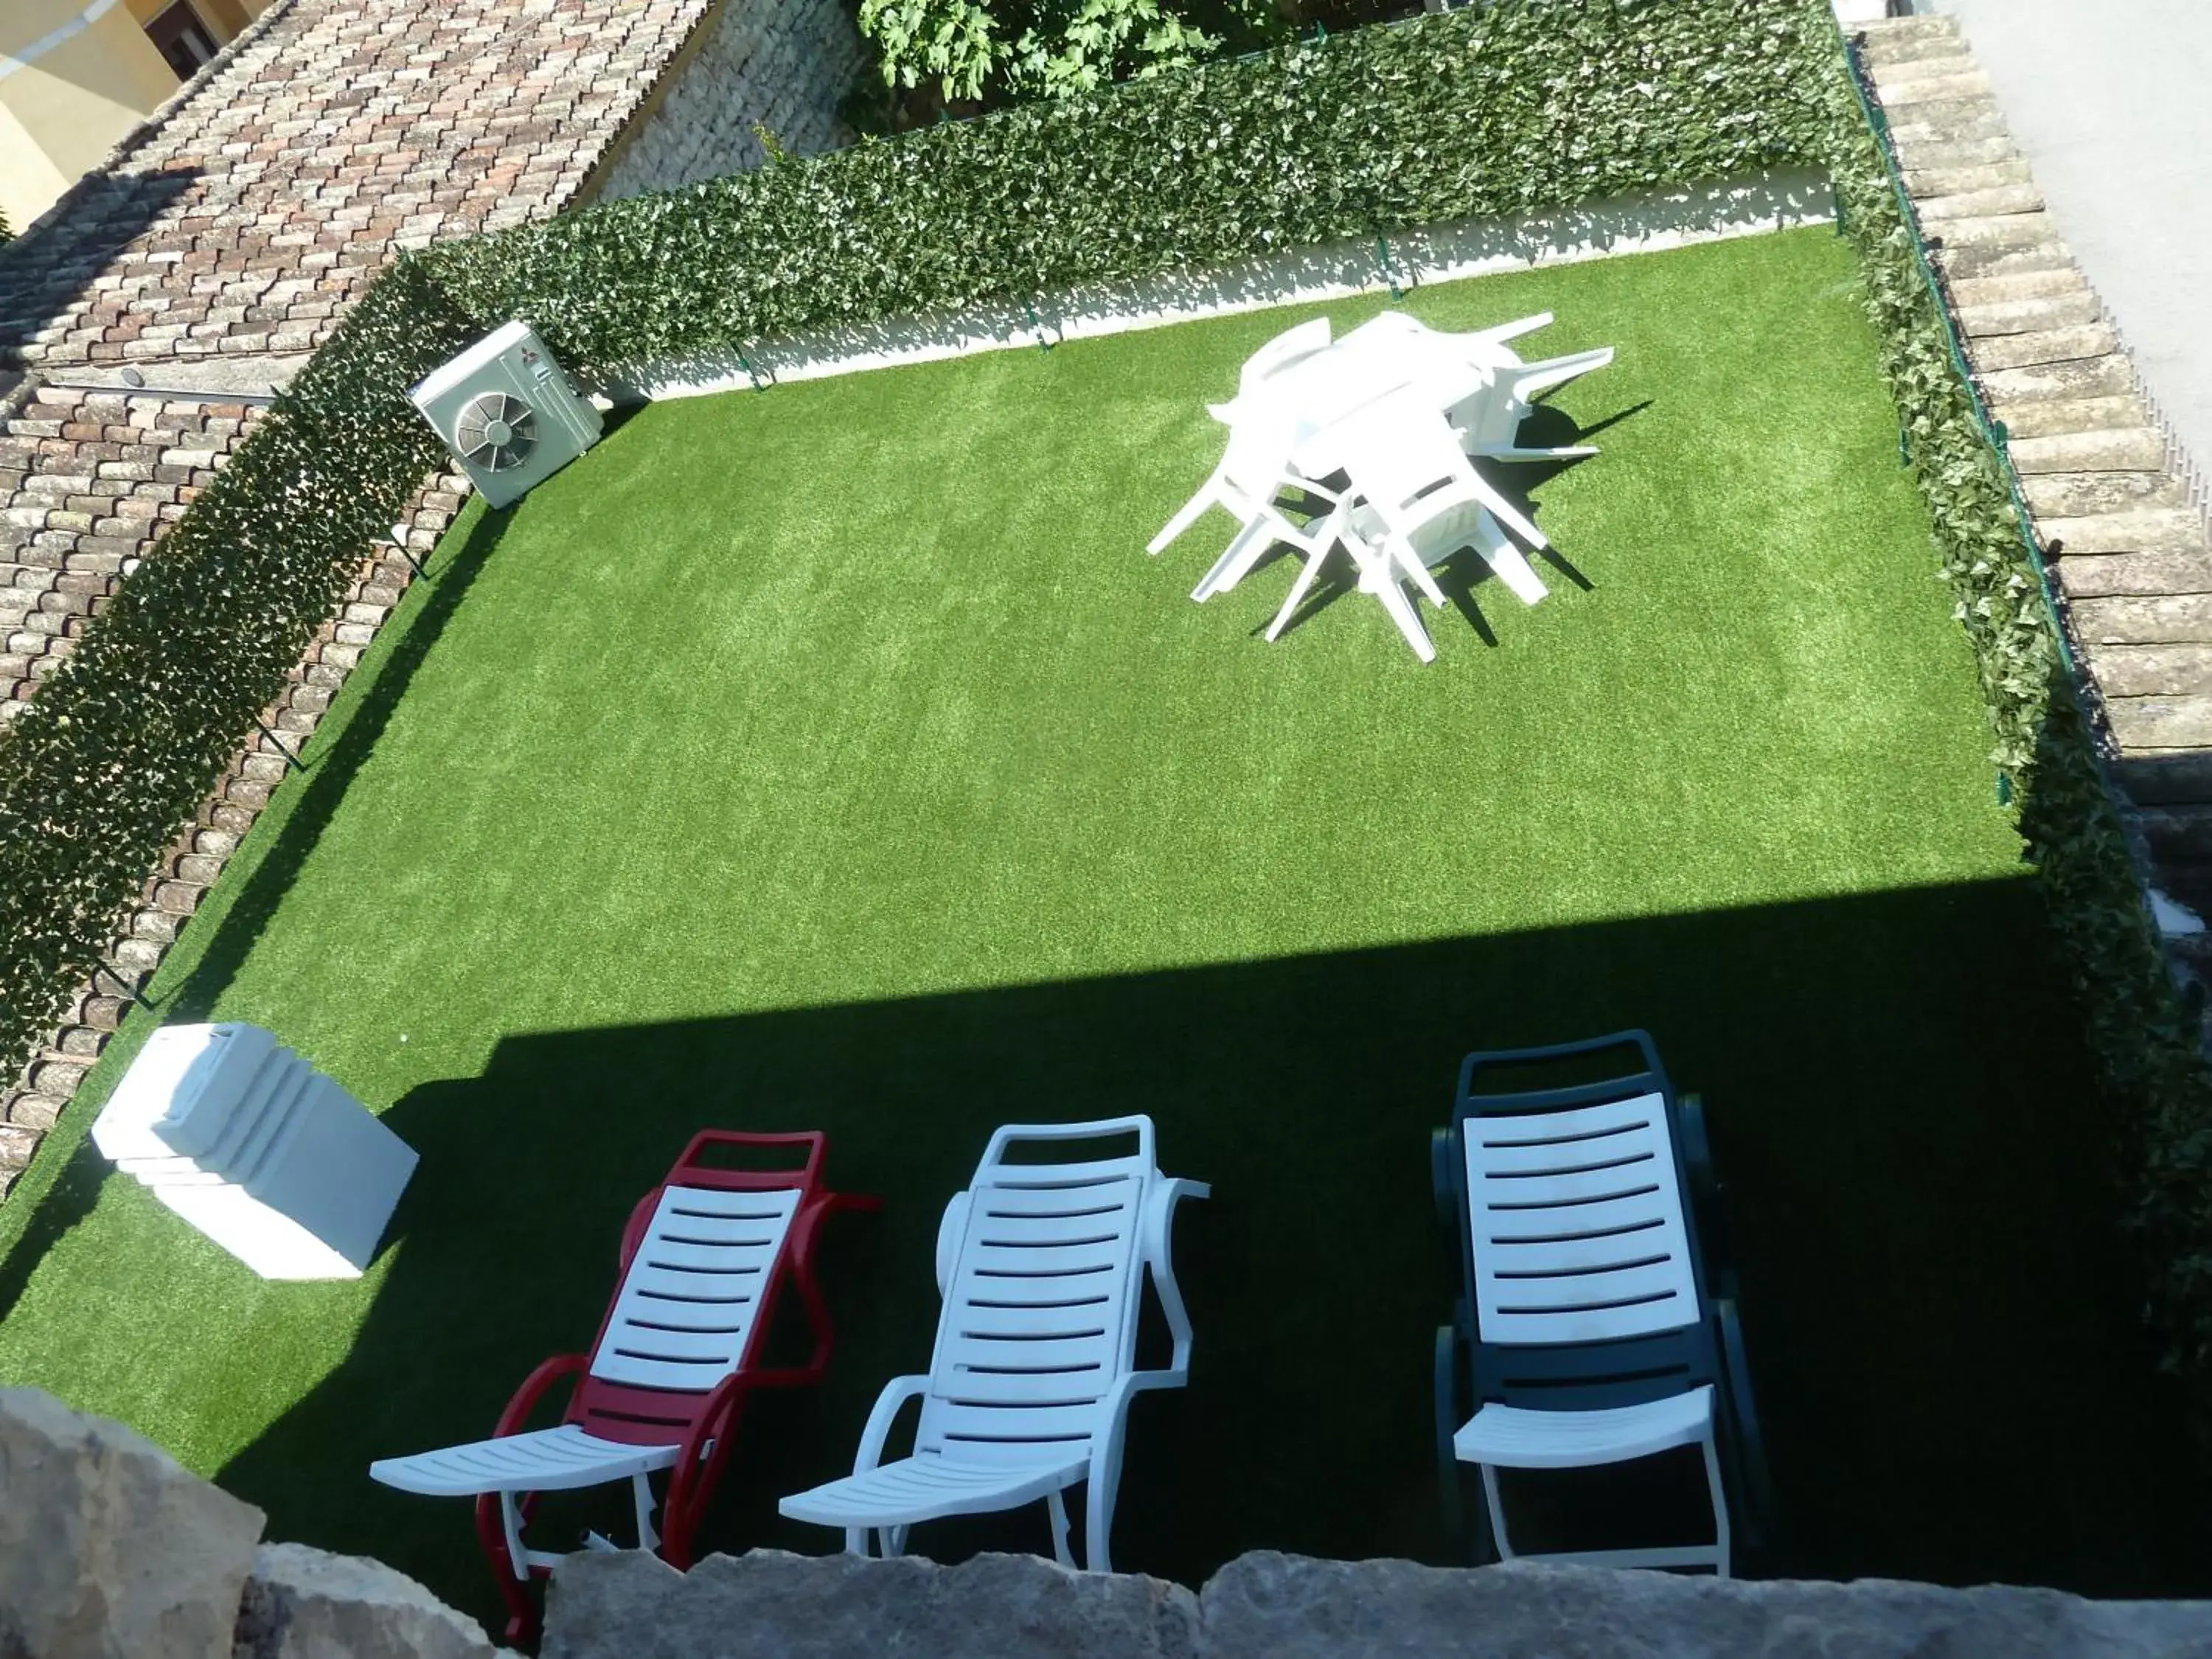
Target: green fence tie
1389,275
751,373
291,760
1037,324
1904,449
2005,788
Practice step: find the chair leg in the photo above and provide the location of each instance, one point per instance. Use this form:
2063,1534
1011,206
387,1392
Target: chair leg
1186,516
1506,514
1507,559
1057,1504
1401,612
1098,1514
1245,549
1497,1508
856,1541
641,1498
495,1525
1314,561
1720,1508
1416,570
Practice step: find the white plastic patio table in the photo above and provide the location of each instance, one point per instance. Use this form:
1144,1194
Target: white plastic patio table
1390,355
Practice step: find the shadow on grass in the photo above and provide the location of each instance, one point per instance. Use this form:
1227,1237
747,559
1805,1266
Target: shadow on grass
1931,1271
67,1202
331,768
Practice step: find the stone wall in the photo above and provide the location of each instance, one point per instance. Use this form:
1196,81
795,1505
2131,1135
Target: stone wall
785,65
768,1605
108,1550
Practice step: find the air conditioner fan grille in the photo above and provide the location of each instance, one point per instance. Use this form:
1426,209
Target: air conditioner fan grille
495,431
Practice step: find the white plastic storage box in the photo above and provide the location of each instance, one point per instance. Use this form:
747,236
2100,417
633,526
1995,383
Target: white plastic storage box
260,1151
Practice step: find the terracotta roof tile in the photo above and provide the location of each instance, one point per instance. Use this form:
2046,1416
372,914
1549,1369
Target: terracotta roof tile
279,166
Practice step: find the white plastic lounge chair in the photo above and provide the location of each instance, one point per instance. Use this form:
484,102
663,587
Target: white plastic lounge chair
1042,1267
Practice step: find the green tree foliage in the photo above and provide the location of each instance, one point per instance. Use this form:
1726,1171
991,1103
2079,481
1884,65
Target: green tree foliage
1025,49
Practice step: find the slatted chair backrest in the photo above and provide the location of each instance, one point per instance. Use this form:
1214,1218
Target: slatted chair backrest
1404,460
1578,1225
704,1262
1287,348
1042,1267
1582,1257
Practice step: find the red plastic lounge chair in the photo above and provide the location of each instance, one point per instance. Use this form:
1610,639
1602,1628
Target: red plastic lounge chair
703,1259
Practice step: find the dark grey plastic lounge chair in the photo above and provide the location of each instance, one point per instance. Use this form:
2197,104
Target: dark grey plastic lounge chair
1594,1329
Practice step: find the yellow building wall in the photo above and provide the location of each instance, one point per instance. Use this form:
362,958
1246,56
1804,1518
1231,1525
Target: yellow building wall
64,109
67,107
29,181
225,17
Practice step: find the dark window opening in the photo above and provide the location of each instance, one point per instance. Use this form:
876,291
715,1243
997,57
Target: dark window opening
182,39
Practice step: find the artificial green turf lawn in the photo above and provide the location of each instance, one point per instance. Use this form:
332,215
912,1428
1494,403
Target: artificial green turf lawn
834,758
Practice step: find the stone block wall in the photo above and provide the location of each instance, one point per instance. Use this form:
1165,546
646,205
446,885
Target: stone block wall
768,1605
108,1548
785,65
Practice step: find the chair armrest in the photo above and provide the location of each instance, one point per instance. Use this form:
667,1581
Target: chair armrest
525,1397
1158,1222
1701,1176
950,1225
1697,1146
1444,1179
895,1394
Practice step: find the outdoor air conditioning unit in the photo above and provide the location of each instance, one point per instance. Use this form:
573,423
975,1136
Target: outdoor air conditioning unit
509,413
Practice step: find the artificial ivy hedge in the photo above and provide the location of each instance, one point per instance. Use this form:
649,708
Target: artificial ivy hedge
1521,106
127,739
2145,1038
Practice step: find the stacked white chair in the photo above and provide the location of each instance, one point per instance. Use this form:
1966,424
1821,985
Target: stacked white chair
1396,409
1255,472
263,1154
